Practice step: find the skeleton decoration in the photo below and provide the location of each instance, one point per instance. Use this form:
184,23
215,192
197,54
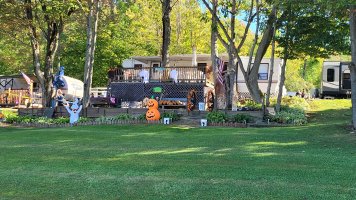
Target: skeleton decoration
74,111
58,81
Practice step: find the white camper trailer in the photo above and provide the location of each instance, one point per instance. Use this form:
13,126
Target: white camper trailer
14,89
336,80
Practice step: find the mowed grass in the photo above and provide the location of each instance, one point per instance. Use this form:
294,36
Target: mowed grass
317,161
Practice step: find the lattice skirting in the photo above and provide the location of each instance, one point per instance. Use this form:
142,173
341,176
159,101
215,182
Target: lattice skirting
138,91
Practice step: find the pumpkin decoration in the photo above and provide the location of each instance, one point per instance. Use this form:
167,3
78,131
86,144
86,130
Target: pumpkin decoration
153,114
191,100
2,116
152,103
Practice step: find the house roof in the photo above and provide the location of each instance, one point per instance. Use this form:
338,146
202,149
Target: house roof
182,57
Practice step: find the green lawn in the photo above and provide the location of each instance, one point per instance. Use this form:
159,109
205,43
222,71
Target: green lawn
317,161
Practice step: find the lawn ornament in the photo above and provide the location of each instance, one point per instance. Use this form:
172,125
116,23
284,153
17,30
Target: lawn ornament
152,104
1,116
210,100
191,100
152,113
58,81
74,111
203,122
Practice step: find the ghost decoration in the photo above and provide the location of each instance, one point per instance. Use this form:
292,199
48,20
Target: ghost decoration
74,111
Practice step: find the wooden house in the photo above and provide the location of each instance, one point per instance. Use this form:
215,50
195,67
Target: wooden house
127,84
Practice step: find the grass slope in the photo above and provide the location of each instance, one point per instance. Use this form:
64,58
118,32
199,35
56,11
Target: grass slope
316,161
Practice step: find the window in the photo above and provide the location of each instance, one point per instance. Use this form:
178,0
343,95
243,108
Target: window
263,71
137,66
155,67
202,67
330,75
346,76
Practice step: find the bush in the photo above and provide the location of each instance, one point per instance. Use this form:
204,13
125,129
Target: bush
291,102
123,117
83,119
103,119
241,118
290,116
62,120
12,119
249,104
141,117
217,116
8,113
292,111
174,116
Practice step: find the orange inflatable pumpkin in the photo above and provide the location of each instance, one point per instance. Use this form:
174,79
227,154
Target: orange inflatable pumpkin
152,104
153,114
2,116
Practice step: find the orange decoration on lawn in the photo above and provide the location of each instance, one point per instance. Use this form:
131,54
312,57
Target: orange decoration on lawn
152,104
2,116
153,114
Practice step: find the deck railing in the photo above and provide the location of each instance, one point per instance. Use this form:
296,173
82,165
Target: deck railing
185,74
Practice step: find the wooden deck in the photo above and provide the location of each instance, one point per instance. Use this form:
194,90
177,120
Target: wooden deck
158,74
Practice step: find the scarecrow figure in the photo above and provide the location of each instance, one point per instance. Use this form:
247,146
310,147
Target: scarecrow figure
210,100
74,112
191,100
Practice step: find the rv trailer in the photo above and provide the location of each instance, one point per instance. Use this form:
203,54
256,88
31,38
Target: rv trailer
14,90
336,80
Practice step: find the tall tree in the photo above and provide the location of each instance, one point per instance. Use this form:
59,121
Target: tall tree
92,28
166,38
51,15
353,63
251,74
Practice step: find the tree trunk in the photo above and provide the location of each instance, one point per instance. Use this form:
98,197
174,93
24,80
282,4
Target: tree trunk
230,74
214,52
304,68
252,79
281,83
166,9
230,78
92,27
270,75
285,59
353,63
53,30
53,33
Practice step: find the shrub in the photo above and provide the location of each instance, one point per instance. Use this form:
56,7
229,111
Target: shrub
123,117
250,104
141,117
174,116
62,120
103,119
8,113
12,119
292,102
241,118
253,105
290,116
217,116
83,119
